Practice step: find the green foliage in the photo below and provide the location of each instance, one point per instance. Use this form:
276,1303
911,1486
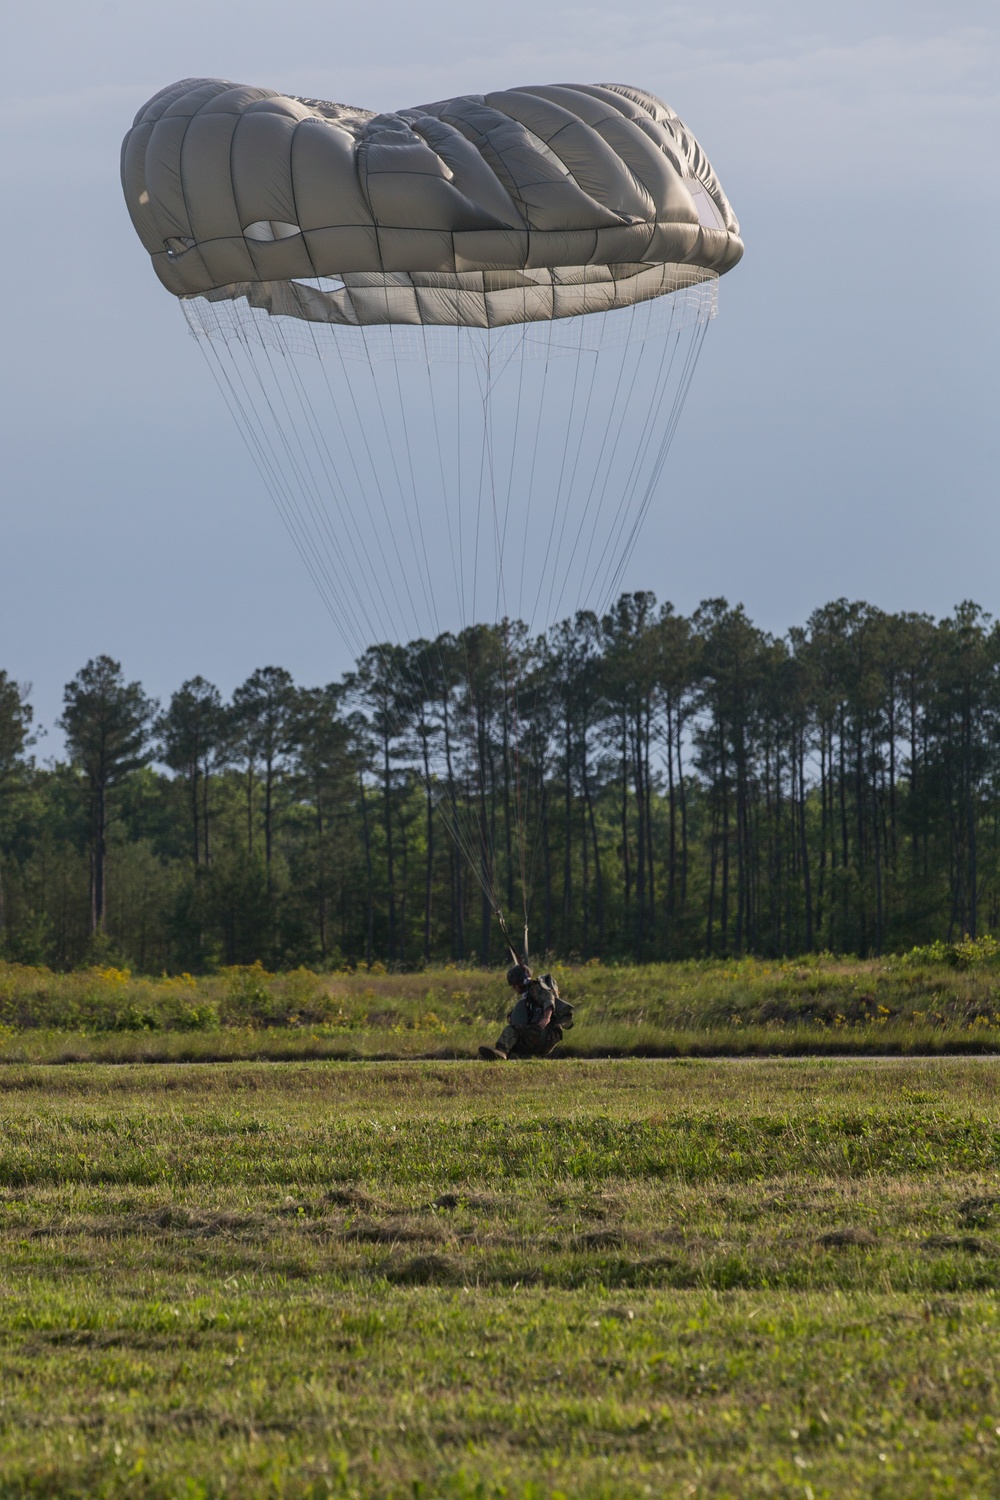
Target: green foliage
657,787
970,953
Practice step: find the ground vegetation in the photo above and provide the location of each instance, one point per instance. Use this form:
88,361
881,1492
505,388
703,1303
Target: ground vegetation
597,1279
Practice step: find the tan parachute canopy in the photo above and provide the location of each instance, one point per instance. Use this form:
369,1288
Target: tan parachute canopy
511,207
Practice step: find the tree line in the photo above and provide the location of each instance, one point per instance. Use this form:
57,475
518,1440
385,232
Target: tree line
655,786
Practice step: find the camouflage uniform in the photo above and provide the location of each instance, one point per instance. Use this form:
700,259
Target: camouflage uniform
523,1036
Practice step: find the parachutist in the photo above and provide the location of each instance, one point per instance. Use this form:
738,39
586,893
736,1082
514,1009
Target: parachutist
536,1023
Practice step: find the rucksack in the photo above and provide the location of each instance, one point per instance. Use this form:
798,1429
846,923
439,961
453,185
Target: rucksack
563,1009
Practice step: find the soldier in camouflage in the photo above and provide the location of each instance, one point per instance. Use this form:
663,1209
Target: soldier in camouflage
533,1024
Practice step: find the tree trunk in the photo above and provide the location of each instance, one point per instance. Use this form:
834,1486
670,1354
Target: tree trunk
626,862
268,803
598,881
648,782
429,863
99,857
682,799
567,901
507,834
195,829
713,847
457,910
389,860
806,874
370,912
640,864
724,903
547,867
321,873
486,841
970,819
250,771
672,824
206,841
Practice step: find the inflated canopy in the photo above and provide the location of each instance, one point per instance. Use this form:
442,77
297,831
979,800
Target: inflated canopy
508,207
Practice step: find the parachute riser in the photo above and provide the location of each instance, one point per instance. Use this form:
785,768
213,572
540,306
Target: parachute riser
515,956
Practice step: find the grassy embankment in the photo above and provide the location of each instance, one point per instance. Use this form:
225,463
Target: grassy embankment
588,1279
932,1001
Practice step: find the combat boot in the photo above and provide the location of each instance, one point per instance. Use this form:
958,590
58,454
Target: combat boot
492,1054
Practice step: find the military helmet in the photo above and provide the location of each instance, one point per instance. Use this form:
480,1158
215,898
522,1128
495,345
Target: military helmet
517,975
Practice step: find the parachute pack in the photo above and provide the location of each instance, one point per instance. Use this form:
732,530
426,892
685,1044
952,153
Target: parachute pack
528,1005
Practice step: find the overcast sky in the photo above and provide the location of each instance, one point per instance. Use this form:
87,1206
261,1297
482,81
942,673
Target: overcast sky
842,435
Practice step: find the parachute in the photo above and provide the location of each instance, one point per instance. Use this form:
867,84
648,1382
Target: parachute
457,339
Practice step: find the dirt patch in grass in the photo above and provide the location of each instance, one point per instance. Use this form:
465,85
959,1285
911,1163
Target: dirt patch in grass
968,1242
395,1232
841,1239
978,1212
426,1270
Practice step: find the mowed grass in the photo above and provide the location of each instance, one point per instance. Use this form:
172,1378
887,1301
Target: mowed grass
577,1278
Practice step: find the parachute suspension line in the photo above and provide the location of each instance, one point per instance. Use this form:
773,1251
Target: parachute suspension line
658,387
473,858
512,736
487,379
584,516
687,375
612,557
291,511
302,471
483,388
528,879
499,534
360,566
512,724
459,427
330,500
661,457
391,450
413,491
557,568
562,470
534,463
486,476
445,493
360,550
361,429
271,483
457,832
510,680
305,545
513,464
388,662
638,363
345,576
600,551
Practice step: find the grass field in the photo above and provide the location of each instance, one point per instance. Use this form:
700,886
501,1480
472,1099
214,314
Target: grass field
935,1001
587,1278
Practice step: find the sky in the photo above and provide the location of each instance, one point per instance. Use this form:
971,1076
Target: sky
841,437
